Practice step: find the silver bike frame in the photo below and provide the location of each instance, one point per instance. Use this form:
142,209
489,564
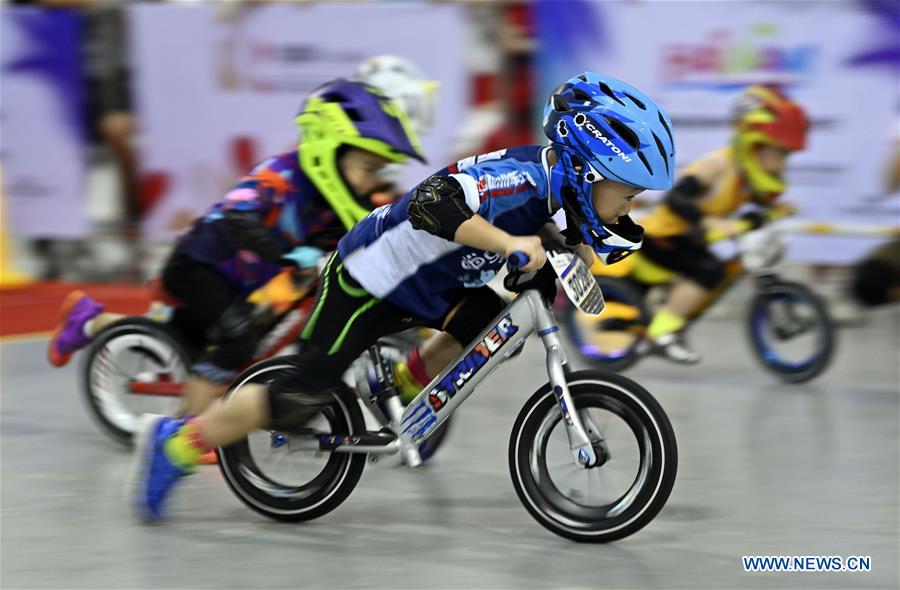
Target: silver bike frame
501,339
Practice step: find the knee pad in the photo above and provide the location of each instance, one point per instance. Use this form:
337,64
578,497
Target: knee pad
233,339
478,308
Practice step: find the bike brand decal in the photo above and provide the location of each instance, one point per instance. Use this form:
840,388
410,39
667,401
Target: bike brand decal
420,421
472,363
514,181
562,403
589,125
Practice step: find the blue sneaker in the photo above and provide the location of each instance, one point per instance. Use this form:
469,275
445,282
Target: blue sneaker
153,474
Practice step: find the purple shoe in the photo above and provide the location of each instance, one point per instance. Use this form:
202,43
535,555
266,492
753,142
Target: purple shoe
69,336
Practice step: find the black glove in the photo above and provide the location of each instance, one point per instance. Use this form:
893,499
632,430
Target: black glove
546,284
544,280
249,233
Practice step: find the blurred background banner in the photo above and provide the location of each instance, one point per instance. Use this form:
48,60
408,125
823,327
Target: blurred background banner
218,88
41,102
695,57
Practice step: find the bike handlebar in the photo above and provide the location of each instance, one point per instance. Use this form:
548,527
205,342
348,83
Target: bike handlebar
517,260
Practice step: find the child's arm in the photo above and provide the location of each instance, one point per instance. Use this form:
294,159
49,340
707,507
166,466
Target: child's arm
682,198
246,209
693,185
438,205
477,232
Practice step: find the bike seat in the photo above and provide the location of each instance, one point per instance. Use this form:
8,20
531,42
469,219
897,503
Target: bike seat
158,293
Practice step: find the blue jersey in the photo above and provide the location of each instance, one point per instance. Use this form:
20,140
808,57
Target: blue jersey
287,203
418,271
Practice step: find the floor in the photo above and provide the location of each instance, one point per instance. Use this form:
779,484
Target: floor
765,469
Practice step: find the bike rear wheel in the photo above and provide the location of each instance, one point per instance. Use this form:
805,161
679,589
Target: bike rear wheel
132,351
626,490
290,484
791,332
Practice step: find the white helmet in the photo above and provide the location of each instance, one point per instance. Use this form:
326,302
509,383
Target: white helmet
400,80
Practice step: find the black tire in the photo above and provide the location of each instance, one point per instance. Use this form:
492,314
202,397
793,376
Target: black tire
615,290
103,384
294,502
820,320
646,491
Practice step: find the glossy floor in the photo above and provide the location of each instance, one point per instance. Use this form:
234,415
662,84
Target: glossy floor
765,469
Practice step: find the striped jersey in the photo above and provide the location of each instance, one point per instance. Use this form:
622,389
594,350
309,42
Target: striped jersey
419,271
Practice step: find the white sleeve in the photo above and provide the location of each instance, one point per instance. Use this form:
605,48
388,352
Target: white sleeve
470,189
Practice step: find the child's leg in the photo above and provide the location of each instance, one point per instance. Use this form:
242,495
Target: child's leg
461,325
437,352
344,322
210,308
700,270
685,297
228,422
80,319
101,322
423,363
199,394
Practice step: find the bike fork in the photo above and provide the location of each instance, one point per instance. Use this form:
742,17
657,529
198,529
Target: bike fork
579,441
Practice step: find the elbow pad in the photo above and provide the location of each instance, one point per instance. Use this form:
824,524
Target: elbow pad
438,206
249,233
681,199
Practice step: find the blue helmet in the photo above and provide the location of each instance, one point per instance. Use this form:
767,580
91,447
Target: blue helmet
602,128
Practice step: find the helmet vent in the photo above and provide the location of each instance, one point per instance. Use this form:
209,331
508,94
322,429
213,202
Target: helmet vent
662,152
583,78
646,163
353,114
636,101
666,127
560,103
624,132
608,92
581,96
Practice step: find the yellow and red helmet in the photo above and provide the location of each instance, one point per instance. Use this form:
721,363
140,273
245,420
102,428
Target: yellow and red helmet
763,115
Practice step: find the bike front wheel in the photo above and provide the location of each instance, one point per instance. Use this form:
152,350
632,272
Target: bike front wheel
631,435
274,474
791,332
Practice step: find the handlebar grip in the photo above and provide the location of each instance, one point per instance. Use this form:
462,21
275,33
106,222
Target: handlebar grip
517,260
